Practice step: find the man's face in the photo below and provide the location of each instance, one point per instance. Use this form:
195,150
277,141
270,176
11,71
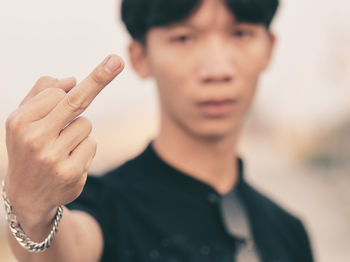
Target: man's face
207,69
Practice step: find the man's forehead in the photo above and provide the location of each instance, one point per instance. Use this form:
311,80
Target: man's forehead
210,14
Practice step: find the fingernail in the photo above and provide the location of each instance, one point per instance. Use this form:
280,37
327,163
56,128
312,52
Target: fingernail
112,64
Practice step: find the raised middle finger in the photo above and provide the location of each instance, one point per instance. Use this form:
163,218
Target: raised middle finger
80,97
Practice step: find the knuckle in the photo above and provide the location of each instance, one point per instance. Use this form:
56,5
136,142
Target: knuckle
33,140
74,103
86,123
44,80
60,170
99,77
49,159
53,96
70,173
32,144
92,142
56,92
13,122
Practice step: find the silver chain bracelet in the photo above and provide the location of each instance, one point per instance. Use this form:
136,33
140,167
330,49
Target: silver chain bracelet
18,232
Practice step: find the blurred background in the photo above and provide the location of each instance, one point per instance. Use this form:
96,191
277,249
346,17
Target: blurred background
297,139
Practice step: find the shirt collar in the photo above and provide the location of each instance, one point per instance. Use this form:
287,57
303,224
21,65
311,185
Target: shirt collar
176,178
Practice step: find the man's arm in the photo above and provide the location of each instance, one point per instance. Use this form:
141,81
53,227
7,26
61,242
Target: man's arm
79,239
50,150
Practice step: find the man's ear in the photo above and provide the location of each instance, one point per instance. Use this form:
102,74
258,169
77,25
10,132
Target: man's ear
138,59
270,49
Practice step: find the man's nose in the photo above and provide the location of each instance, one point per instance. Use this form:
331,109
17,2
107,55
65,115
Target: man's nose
216,64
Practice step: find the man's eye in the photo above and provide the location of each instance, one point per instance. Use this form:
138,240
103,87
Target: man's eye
182,38
242,33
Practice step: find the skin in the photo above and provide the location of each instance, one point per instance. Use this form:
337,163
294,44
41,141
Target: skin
208,56
47,142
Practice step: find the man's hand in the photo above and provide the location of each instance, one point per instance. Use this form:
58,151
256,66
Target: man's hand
49,147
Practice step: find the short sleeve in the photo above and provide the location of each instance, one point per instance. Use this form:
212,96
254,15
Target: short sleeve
91,202
304,242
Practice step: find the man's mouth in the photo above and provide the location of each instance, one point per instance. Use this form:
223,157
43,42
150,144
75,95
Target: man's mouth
216,108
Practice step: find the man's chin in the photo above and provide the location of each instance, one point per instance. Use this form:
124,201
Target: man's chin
216,135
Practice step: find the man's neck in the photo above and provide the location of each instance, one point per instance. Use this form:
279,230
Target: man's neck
212,162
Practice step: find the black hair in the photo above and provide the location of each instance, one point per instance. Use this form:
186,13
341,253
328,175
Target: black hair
141,15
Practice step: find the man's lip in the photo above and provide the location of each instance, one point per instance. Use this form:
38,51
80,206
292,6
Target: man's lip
217,101
216,107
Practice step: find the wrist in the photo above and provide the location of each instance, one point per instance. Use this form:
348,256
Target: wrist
31,214
20,235
35,223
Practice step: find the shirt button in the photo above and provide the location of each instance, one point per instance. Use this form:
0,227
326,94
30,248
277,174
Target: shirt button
212,198
205,250
165,242
154,254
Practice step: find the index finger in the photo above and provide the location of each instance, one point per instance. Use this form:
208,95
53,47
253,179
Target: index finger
46,82
80,97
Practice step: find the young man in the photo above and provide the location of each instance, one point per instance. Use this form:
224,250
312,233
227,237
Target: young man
184,197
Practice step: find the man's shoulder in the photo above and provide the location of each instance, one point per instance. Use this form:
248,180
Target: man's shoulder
109,186
277,218
261,203
273,221
129,170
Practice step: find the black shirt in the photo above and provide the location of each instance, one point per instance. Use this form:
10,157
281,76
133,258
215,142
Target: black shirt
151,211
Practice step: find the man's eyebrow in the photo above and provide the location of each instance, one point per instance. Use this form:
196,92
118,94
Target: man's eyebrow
199,28
187,25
